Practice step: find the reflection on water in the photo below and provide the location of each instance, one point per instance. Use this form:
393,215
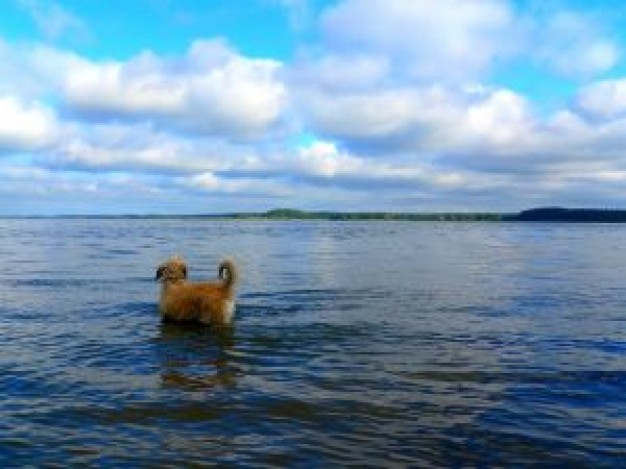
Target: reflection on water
196,357
365,344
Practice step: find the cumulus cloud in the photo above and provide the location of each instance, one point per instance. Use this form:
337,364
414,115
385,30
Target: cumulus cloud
248,187
603,100
444,40
211,90
428,119
410,81
25,126
140,148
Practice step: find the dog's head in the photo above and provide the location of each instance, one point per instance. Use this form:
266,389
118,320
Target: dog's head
172,270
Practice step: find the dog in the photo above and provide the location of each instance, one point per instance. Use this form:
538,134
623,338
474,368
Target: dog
209,303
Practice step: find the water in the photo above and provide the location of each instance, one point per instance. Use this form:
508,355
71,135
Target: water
366,344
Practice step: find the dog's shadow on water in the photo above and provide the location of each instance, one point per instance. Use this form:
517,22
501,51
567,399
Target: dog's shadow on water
196,358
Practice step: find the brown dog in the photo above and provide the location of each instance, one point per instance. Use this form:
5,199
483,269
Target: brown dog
196,302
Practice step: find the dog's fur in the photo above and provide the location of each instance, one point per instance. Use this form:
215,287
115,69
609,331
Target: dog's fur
196,302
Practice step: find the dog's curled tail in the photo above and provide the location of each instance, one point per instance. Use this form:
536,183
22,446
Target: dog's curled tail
228,273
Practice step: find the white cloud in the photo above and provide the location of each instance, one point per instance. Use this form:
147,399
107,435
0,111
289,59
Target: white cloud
350,72
429,119
447,40
210,183
603,100
501,119
211,90
386,116
141,148
571,44
455,41
323,159
25,126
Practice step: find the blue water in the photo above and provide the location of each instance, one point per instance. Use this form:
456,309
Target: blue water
356,344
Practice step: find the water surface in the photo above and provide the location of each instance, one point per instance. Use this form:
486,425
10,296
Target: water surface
363,344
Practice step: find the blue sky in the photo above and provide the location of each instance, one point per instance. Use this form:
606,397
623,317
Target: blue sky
208,106
119,29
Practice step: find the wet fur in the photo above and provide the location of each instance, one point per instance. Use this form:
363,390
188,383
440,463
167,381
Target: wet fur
196,302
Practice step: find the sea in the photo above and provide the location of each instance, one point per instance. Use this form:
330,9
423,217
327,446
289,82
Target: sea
382,344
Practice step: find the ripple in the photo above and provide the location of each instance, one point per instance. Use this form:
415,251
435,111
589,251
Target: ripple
356,345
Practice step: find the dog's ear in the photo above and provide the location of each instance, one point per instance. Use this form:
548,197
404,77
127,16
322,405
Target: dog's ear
184,272
159,273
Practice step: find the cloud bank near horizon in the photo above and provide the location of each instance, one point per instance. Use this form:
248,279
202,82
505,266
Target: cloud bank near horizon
413,111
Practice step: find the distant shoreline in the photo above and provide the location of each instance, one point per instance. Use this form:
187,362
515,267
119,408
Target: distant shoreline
542,214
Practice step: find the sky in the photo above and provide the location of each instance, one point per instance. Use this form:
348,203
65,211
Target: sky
214,106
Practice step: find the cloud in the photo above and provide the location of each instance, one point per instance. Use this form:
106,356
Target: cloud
25,126
54,21
451,40
211,90
336,73
31,189
603,100
242,187
140,148
460,41
298,12
573,45
429,119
